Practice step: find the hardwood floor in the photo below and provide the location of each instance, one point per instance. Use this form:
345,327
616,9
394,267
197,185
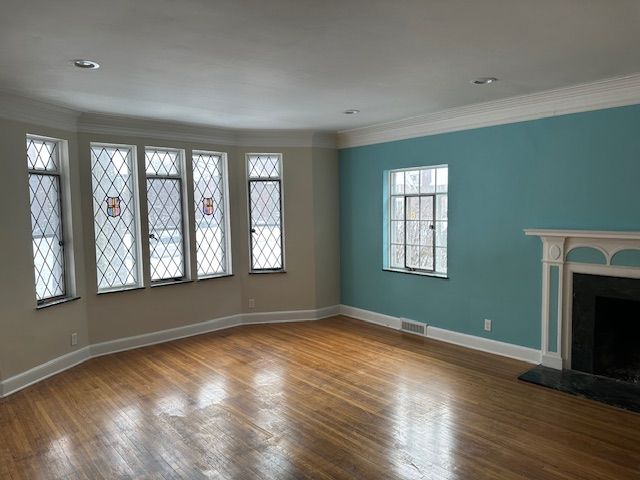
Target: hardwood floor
336,398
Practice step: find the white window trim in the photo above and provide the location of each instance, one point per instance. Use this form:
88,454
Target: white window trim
137,221
280,178
186,237
227,214
387,257
69,274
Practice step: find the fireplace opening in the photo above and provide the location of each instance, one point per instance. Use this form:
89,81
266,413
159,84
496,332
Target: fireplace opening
605,332
616,350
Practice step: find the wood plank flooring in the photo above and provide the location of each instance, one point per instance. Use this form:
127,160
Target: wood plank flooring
335,398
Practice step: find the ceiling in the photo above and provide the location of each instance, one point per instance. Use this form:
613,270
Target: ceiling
297,64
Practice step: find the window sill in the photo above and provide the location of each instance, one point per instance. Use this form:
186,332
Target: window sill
58,301
264,272
119,290
212,277
163,283
422,274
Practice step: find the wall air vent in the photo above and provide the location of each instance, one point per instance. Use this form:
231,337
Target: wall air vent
416,328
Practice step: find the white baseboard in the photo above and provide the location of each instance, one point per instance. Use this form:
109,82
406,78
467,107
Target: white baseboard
371,317
144,340
69,360
46,370
510,350
292,316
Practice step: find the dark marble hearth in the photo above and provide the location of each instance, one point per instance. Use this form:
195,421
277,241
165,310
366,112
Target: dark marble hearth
601,389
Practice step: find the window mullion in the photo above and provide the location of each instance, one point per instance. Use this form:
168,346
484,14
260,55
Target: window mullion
406,229
49,173
280,220
165,177
251,228
61,232
435,231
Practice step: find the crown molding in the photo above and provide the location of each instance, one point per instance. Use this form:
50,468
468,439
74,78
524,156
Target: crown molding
105,124
325,140
141,127
608,93
18,108
285,138
23,109
614,92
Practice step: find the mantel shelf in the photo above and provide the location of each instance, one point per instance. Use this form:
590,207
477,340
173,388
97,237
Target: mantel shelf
613,235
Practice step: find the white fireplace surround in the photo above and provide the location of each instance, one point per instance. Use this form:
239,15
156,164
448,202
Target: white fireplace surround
556,246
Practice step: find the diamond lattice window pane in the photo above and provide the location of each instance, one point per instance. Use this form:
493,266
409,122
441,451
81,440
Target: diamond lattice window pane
46,227
42,154
162,162
115,221
209,198
165,228
264,166
266,228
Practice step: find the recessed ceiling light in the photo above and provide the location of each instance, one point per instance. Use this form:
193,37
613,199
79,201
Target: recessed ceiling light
86,64
484,80
351,111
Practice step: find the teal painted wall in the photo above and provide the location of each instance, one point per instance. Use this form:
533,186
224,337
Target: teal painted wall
586,255
628,258
577,171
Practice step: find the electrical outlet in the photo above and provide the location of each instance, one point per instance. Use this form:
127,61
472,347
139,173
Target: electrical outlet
487,325
252,303
74,339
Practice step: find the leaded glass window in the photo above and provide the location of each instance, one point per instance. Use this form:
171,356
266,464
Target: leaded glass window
417,219
45,193
164,170
264,173
116,218
210,196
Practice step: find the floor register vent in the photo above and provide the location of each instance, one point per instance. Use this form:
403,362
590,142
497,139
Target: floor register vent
416,328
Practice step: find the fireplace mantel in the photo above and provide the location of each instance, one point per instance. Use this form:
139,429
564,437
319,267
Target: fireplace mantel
582,234
557,275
